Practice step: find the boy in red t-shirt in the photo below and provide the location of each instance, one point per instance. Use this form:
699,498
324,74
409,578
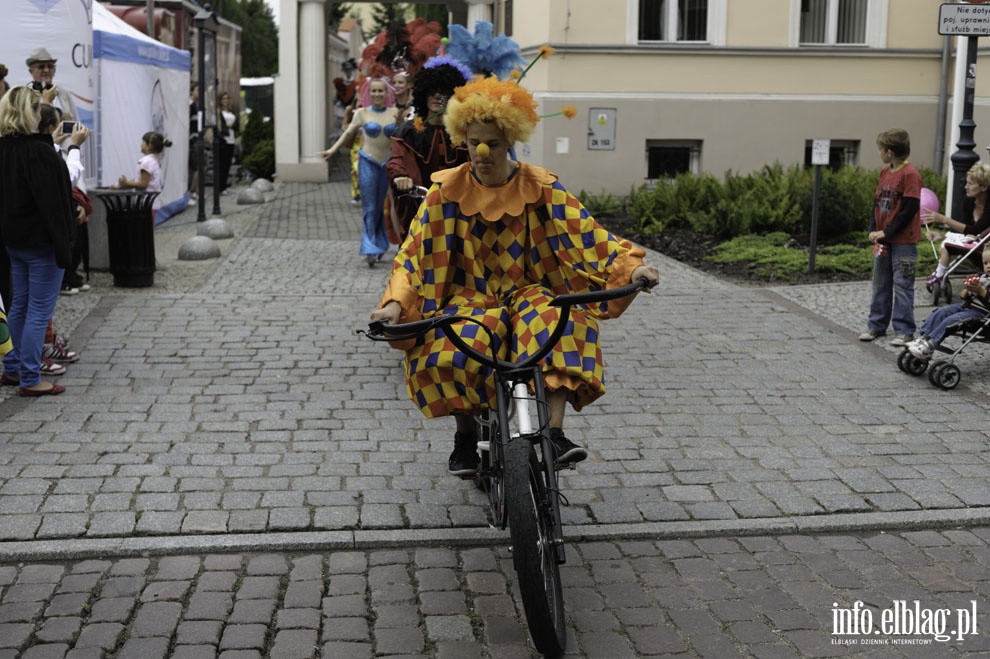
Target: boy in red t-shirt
895,229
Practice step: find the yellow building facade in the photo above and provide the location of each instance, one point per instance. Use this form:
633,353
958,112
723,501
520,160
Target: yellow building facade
663,86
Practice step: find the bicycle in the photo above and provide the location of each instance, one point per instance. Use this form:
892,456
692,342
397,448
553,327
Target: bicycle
417,193
521,484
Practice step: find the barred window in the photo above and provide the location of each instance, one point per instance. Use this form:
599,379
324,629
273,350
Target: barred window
668,158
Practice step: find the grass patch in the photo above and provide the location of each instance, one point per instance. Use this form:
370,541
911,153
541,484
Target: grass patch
777,256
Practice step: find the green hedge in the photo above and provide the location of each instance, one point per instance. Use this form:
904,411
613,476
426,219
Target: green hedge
258,146
774,199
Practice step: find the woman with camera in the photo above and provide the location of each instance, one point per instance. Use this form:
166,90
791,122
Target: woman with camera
35,225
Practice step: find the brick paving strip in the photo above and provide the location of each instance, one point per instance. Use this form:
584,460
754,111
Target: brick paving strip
762,596
233,473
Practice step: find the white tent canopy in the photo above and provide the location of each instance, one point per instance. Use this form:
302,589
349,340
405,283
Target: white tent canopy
141,85
64,28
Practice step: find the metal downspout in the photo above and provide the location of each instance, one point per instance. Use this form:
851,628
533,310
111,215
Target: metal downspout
943,97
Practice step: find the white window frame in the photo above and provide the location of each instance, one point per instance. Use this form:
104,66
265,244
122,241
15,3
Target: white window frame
876,25
715,29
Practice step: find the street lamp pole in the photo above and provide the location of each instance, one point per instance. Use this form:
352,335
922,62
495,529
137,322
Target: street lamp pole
207,23
966,156
150,15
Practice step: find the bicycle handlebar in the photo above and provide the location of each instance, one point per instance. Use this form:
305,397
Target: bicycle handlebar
572,299
379,330
416,192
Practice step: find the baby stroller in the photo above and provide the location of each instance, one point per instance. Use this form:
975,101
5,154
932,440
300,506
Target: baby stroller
966,248
944,374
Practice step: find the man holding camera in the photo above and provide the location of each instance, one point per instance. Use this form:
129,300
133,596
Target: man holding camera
41,66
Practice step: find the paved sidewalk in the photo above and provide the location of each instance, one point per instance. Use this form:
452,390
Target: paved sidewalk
234,472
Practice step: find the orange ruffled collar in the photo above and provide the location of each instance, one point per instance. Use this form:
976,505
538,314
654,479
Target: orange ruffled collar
493,202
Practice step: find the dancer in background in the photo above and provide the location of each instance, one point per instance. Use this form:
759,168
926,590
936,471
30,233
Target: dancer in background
376,120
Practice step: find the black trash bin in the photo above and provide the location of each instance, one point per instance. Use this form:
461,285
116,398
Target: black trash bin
130,236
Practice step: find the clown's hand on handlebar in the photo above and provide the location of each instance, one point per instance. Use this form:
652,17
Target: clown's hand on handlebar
649,274
389,314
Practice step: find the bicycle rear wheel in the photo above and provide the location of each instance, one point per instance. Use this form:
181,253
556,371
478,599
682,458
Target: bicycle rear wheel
533,553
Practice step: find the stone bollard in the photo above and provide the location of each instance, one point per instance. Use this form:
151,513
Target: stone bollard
198,248
216,228
250,196
262,185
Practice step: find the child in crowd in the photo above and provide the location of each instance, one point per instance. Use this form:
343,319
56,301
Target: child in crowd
895,228
149,176
935,327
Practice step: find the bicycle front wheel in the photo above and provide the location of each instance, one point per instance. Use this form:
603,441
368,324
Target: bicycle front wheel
528,507
489,478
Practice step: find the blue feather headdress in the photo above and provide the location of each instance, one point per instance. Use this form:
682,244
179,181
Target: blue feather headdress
483,52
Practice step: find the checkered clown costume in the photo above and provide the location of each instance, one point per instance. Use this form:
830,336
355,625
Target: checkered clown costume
500,254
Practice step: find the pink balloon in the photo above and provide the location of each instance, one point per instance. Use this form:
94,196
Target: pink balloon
929,200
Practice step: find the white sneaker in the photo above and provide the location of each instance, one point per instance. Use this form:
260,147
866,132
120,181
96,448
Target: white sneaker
48,367
58,354
921,348
901,340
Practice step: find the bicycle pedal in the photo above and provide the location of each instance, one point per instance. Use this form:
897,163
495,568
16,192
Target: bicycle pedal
559,466
467,477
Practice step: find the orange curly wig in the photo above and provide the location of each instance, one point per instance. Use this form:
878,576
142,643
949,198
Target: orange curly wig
503,102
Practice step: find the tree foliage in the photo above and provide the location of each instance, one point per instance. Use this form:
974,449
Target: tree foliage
259,35
433,12
383,15
336,12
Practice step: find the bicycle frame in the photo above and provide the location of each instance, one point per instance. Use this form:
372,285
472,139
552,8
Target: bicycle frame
512,471
514,385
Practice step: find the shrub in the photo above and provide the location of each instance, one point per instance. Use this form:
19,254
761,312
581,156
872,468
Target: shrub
256,130
761,202
764,217
261,161
601,204
649,208
687,200
841,208
772,199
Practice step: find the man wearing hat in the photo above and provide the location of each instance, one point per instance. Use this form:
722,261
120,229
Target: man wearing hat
41,66
346,87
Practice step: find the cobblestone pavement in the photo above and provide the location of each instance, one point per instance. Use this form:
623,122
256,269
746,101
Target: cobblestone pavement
759,596
234,472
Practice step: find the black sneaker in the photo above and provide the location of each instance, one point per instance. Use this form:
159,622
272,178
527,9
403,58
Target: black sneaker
566,450
464,458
